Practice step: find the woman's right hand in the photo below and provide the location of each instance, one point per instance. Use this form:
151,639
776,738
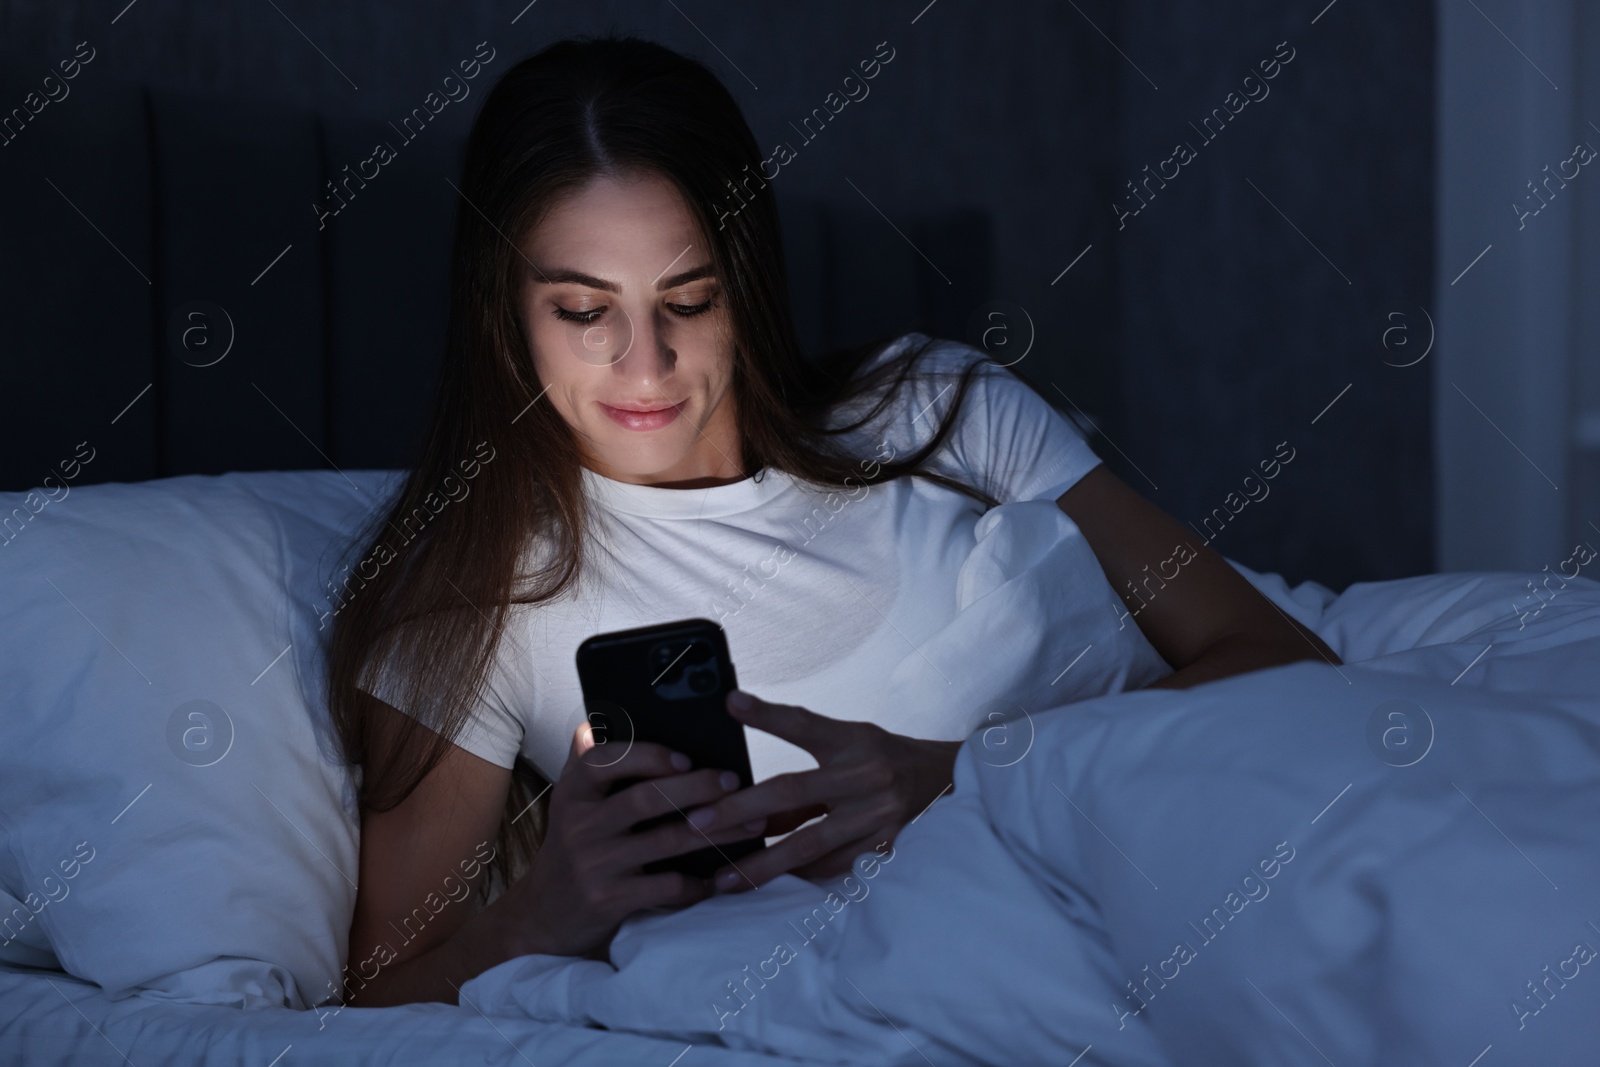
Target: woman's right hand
585,878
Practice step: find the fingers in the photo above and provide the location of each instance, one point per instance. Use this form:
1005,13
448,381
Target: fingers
659,796
805,846
594,767
678,837
783,795
817,734
785,821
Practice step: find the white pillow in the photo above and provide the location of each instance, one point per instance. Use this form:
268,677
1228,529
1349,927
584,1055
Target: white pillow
176,818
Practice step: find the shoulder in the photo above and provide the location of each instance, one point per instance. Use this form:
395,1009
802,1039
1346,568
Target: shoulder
899,381
1005,436
896,383
923,356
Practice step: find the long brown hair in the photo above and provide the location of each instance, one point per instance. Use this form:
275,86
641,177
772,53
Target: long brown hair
445,565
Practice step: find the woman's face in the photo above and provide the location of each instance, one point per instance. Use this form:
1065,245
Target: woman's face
624,314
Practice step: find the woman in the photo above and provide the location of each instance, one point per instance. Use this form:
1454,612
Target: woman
624,390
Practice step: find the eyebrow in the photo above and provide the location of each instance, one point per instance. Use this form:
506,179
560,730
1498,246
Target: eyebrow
563,274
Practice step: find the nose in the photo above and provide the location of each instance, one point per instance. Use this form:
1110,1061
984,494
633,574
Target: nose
649,359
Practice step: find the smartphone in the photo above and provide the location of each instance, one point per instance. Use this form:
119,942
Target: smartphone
668,684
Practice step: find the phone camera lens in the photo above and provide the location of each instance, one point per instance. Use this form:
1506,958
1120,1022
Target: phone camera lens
703,680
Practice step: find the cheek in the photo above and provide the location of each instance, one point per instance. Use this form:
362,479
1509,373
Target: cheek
551,351
557,371
715,340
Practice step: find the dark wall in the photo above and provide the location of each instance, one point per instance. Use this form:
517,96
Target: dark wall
1259,282
1196,337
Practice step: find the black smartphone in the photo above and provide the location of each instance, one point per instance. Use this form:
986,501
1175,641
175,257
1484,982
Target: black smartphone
668,684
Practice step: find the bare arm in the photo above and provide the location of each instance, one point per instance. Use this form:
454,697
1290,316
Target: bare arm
1200,615
1204,618
418,932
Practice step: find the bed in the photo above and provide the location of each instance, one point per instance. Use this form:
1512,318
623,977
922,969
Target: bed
1392,860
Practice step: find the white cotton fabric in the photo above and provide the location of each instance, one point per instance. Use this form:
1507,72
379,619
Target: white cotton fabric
860,603
1232,873
175,817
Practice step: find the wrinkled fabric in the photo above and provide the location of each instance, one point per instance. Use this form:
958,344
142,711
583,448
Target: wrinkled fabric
1246,872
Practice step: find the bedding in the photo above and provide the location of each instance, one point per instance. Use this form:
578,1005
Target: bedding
183,868
164,734
1377,862
53,1020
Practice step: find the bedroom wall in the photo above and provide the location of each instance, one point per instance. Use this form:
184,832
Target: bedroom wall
1265,278
1195,336
1518,381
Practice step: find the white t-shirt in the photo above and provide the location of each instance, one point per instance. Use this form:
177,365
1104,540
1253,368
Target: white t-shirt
875,603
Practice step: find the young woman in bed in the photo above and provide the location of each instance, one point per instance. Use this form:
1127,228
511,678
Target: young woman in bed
627,432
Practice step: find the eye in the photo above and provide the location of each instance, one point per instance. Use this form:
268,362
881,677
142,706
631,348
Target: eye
689,311
584,317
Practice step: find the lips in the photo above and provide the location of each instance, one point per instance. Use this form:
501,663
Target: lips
642,408
641,417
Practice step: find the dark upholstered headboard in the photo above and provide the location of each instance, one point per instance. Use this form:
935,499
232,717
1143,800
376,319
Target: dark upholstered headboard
144,233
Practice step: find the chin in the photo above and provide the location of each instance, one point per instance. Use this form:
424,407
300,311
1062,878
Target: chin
645,463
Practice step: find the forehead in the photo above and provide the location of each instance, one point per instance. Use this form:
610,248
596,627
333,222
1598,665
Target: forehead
617,223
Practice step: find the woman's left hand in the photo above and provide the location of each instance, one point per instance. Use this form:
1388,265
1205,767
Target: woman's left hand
869,783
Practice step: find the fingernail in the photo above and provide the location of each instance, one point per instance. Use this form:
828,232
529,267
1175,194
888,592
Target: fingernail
680,761
728,880
702,817
741,700
728,780
755,824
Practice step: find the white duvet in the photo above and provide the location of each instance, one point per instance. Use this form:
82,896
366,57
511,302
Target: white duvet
1392,861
